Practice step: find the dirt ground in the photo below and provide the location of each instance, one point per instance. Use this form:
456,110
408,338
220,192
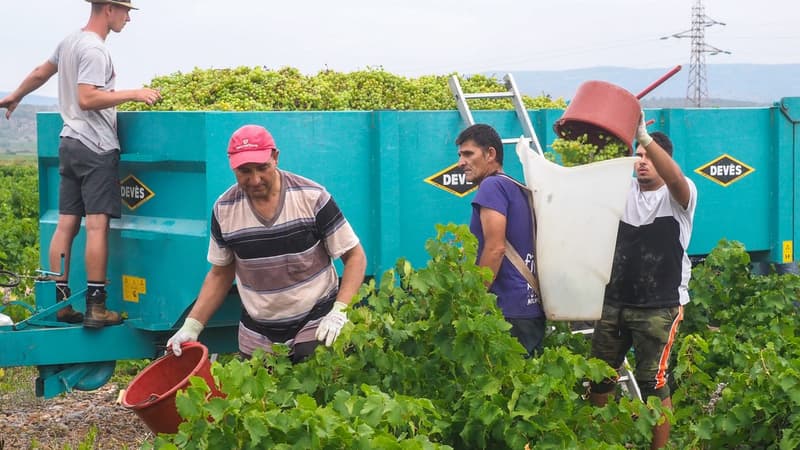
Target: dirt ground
66,421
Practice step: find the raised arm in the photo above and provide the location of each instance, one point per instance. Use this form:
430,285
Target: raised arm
666,167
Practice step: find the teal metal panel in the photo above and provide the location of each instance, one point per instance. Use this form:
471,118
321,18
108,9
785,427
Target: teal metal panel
375,164
788,117
783,205
387,207
426,146
743,210
157,248
162,136
46,346
543,121
75,344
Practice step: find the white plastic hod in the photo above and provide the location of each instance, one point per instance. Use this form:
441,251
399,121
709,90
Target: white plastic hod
577,217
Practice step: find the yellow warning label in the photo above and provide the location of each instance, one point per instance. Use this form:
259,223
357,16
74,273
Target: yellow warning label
788,252
132,287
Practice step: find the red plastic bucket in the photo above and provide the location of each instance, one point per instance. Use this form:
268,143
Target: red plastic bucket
600,108
151,394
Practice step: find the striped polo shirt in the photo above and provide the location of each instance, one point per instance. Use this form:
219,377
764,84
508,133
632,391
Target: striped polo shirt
283,267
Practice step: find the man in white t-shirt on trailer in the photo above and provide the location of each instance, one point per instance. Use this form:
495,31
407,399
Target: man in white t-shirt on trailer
650,275
88,152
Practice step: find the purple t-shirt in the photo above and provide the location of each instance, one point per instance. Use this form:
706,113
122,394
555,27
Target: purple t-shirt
515,298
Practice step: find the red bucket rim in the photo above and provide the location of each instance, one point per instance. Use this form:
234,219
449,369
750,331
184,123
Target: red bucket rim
180,385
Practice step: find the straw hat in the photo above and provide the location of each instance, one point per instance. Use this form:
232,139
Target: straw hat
125,3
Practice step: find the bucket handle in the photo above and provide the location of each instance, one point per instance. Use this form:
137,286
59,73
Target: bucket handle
150,399
658,82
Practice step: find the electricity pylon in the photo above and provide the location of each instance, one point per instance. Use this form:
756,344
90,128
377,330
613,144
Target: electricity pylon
697,89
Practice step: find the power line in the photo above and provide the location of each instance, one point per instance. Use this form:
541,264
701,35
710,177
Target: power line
697,89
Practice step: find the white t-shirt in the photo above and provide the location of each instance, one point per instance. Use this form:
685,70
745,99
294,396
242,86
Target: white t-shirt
651,265
83,58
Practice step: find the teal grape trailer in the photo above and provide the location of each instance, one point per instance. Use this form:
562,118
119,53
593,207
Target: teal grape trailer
393,174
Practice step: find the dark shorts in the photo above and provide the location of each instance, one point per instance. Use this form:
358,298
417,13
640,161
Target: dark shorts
89,181
651,332
529,333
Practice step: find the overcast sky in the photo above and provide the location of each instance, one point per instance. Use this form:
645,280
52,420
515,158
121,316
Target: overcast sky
408,37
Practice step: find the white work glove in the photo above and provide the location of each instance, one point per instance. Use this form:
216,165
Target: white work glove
642,137
187,333
331,324
5,320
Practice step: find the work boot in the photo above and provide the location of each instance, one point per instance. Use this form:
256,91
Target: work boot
97,316
67,313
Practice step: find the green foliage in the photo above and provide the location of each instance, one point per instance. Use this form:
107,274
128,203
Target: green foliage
286,89
127,369
580,151
19,229
89,441
427,361
16,379
738,370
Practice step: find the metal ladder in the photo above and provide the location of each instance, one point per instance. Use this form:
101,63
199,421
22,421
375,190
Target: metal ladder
512,93
626,379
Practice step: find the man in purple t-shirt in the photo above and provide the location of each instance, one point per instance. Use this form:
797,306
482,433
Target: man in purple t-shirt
500,213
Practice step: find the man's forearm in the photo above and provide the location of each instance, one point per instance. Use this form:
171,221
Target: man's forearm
215,287
355,266
95,99
39,76
492,258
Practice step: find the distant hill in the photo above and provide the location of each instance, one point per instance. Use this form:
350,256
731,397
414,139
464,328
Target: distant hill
38,100
18,135
728,84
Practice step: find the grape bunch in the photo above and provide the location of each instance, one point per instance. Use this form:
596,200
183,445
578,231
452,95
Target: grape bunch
576,152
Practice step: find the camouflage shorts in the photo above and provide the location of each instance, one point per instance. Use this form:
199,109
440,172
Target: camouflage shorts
651,332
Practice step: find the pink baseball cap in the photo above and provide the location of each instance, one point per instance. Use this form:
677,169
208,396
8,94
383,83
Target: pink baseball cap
250,144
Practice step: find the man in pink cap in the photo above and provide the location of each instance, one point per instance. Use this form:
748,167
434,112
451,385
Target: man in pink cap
89,150
276,233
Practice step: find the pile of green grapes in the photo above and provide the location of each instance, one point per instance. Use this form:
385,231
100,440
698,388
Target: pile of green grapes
287,89
580,151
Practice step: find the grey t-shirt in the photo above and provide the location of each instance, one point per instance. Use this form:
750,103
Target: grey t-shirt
82,58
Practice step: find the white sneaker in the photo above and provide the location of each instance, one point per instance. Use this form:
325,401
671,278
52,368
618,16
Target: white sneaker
5,320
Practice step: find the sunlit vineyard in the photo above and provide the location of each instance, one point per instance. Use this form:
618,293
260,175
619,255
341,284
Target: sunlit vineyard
19,224
428,362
